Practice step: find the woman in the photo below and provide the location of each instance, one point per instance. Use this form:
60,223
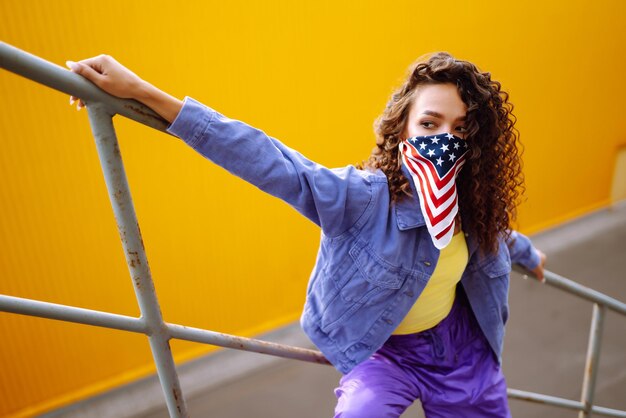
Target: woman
430,209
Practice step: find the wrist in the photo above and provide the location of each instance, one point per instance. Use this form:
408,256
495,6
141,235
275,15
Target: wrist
144,92
162,103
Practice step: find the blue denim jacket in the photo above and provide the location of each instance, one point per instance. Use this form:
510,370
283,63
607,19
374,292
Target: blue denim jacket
375,257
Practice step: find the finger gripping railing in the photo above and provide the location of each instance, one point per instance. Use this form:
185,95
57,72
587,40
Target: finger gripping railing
101,109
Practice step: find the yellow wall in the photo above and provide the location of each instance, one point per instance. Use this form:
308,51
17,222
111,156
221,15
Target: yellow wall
618,188
223,255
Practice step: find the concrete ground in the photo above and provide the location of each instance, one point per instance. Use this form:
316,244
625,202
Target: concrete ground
545,345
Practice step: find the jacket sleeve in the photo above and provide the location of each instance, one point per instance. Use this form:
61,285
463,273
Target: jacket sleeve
332,198
522,251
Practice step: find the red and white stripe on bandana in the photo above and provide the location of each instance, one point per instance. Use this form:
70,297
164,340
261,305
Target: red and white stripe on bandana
434,162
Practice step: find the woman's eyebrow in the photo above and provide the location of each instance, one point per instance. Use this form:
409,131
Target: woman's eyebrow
439,115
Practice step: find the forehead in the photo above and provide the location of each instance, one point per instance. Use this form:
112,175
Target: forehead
440,98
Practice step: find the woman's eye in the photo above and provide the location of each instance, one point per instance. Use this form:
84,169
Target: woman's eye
427,123
461,129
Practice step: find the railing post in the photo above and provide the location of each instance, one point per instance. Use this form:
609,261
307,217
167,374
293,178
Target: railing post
593,357
101,122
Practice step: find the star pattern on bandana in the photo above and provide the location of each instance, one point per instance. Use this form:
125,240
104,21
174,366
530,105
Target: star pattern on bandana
442,150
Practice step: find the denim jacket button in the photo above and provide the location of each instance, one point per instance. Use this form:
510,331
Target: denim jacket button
409,294
427,263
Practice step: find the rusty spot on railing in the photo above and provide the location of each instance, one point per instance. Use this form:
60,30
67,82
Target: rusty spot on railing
116,150
141,112
176,397
133,259
530,399
140,237
122,231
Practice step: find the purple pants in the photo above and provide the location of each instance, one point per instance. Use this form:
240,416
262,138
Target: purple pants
450,368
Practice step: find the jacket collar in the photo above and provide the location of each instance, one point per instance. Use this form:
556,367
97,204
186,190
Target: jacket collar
408,212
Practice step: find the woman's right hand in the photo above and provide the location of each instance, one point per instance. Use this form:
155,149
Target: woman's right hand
538,271
108,74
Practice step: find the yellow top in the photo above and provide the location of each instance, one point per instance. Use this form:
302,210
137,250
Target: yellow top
436,300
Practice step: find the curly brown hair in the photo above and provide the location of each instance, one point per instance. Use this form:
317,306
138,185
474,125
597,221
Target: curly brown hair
491,183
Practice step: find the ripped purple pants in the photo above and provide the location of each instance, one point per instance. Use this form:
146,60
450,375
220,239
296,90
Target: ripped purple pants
450,368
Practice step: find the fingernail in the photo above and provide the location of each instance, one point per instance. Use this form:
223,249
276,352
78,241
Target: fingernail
71,64
78,107
72,101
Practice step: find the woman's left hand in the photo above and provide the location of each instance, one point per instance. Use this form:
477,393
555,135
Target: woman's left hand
538,271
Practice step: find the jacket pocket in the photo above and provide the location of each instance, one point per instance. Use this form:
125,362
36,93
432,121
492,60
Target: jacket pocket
496,265
376,270
366,284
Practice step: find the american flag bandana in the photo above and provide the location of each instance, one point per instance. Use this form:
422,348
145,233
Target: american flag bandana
434,162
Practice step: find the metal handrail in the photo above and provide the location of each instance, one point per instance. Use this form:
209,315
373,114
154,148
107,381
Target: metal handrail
59,78
101,109
601,303
579,290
